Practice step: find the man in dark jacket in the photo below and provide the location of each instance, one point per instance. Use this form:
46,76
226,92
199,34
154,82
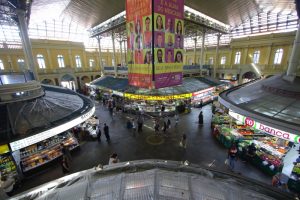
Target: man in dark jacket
106,132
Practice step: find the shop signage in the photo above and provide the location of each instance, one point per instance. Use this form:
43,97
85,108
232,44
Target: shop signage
19,144
264,128
202,92
4,149
120,94
157,98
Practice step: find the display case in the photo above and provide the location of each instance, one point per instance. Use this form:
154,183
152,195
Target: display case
7,163
43,152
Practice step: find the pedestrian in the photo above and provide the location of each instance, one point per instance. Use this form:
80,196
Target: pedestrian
65,164
156,126
165,126
201,104
133,126
200,118
98,131
232,156
106,132
169,123
140,122
251,152
8,184
213,108
176,119
113,159
183,141
65,151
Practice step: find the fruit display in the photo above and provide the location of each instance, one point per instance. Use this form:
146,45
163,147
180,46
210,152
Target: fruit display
7,164
220,119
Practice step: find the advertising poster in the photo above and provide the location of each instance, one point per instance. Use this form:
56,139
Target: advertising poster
168,42
139,42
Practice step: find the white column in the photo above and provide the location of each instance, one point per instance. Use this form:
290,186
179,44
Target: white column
49,59
114,53
217,54
71,59
121,52
22,24
195,48
202,52
125,51
100,55
294,59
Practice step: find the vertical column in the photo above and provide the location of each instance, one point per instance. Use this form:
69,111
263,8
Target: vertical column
246,56
114,53
26,42
121,52
84,63
10,63
202,52
269,50
217,54
294,59
195,48
100,55
49,58
125,51
70,58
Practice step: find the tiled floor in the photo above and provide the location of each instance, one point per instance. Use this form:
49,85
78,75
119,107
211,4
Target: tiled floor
202,148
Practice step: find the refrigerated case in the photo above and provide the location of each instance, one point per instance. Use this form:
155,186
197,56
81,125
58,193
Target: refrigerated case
7,163
43,152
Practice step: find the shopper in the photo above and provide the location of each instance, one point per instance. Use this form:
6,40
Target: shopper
98,131
113,159
169,123
8,184
106,132
165,126
200,118
65,165
183,141
156,126
251,151
65,151
232,156
140,122
176,119
133,126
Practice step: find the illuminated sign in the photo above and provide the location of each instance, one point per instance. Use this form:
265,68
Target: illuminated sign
4,149
264,128
19,144
203,91
118,93
157,98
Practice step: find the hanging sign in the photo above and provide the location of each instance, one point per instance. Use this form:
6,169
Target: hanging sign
265,128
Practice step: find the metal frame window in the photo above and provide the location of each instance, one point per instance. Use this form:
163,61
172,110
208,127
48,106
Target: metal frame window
60,60
1,65
256,55
41,61
78,61
237,59
278,56
92,62
223,60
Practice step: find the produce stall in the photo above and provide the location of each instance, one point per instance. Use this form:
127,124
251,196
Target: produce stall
7,163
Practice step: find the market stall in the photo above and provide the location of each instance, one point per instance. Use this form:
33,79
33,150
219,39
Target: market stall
7,163
271,145
203,96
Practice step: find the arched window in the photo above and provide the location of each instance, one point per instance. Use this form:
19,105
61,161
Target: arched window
21,64
237,58
278,56
256,55
60,60
78,61
223,60
1,65
41,61
211,60
92,62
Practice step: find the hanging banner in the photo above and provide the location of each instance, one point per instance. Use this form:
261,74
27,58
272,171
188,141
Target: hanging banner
139,42
264,128
168,40
157,98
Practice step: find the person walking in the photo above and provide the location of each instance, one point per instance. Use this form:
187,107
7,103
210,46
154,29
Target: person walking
165,126
65,165
200,118
169,123
183,141
156,126
106,132
140,122
176,119
232,156
133,126
98,131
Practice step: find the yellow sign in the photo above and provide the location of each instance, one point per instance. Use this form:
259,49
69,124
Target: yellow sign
4,149
157,98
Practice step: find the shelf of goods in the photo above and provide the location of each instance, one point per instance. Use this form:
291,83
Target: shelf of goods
269,155
44,152
220,119
294,181
7,165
